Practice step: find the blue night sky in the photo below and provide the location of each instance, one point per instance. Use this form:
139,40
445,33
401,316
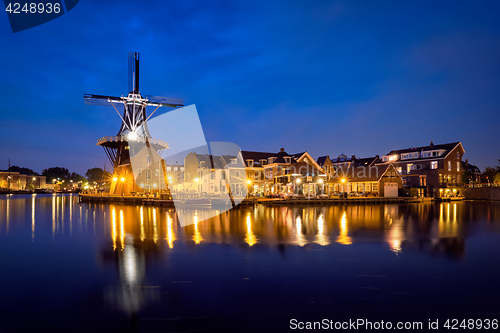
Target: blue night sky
330,77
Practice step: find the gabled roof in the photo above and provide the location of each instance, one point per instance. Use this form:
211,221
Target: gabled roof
321,160
367,161
256,155
447,146
470,167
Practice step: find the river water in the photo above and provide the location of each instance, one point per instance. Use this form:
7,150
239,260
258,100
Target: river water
81,267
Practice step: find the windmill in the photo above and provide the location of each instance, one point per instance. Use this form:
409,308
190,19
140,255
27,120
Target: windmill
133,131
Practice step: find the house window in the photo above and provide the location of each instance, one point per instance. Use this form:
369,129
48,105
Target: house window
449,165
148,174
458,166
434,165
237,173
139,172
399,170
458,155
148,159
250,163
367,189
223,175
374,187
212,175
288,159
409,167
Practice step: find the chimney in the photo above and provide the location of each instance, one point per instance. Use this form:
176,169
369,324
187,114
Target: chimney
466,161
432,144
353,157
282,150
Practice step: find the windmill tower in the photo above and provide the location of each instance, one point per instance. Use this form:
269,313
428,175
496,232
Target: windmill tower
133,133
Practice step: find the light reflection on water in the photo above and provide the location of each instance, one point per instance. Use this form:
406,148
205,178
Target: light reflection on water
146,245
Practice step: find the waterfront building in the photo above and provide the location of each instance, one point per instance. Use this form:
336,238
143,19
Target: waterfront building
376,180
17,181
433,170
471,172
269,173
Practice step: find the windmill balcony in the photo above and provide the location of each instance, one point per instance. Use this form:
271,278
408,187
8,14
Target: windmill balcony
124,138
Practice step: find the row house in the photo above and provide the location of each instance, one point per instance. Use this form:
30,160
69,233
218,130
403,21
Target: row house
366,180
434,170
214,175
273,173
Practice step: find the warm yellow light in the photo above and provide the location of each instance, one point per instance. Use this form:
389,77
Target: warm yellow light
343,180
320,181
298,180
196,179
249,182
34,178
122,179
169,179
115,179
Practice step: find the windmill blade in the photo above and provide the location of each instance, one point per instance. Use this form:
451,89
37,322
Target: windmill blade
133,72
100,99
165,101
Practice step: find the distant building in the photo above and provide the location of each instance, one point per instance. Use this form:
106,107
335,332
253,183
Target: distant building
434,170
16,181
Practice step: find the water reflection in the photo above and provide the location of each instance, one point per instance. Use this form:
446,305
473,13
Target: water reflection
131,236
250,238
343,237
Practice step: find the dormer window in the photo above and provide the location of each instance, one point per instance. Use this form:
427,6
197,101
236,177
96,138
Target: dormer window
233,161
271,159
250,163
263,161
288,159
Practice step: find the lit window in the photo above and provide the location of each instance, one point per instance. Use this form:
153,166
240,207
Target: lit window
449,165
458,166
409,167
434,165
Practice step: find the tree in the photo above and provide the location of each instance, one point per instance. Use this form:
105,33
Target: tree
96,175
488,175
56,172
24,171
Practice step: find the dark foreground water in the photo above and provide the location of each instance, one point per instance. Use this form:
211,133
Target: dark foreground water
70,267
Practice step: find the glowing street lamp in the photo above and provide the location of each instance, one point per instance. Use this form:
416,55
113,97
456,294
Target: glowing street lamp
115,179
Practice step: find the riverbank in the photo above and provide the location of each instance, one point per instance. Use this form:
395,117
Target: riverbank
153,201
